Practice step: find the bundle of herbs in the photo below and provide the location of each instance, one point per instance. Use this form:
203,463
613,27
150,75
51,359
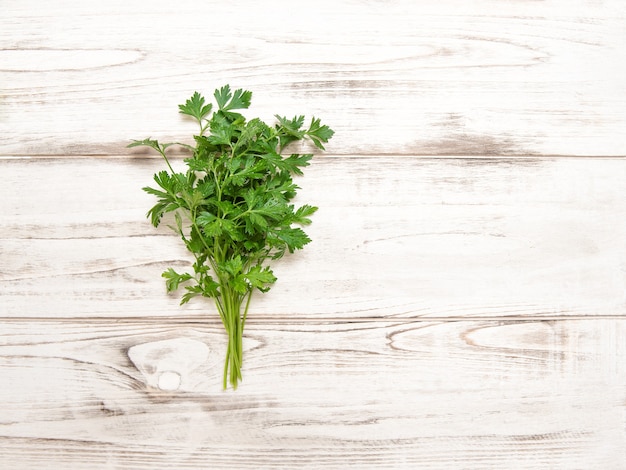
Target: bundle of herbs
232,206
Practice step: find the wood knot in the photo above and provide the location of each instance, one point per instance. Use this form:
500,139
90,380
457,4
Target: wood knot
170,364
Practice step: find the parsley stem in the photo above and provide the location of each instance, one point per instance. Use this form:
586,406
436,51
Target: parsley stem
245,312
162,152
234,327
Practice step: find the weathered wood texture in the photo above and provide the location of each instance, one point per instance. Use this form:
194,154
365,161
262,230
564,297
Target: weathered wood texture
440,395
393,237
401,77
462,305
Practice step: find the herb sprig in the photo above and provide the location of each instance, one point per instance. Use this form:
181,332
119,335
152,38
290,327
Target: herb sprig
232,206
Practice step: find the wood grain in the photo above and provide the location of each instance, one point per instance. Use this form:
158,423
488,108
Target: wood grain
440,395
462,305
403,77
393,237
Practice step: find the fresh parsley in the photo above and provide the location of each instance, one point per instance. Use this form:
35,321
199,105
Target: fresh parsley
232,206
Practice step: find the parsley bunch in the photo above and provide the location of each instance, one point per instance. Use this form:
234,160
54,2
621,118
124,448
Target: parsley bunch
232,206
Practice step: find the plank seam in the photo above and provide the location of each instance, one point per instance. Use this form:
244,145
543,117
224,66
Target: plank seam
313,321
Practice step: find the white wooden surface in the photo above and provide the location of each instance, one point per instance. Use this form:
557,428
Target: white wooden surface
462,305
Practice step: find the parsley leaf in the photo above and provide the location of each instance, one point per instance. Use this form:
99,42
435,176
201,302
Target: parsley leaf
195,107
319,134
227,101
173,279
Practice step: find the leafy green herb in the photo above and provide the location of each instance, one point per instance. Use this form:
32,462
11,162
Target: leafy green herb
231,207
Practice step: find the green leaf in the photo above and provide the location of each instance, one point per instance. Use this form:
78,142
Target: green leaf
233,267
260,278
302,214
225,207
192,291
194,199
173,279
196,243
145,143
239,284
204,149
283,185
207,188
222,132
226,100
253,131
289,129
179,225
209,287
214,228
319,134
294,238
291,126
222,96
166,181
218,227
156,192
293,163
205,218
155,214
166,203
255,222
195,107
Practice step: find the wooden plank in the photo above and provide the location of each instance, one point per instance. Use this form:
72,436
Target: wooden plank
437,395
434,77
393,237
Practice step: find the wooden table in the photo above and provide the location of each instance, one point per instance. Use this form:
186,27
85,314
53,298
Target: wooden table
462,305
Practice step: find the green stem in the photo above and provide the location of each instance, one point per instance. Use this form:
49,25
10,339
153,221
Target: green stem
245,312
232,303
162,152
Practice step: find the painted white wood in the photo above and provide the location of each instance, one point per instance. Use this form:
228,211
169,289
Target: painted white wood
393,237
465,311
429,77
440,395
